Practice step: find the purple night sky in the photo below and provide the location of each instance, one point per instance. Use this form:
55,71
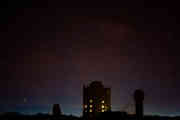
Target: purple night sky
49,52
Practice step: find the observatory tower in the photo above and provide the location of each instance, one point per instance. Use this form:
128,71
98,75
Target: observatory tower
139,97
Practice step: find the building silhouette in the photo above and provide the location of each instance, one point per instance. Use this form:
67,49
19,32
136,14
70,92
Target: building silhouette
96,99
139,97
56,110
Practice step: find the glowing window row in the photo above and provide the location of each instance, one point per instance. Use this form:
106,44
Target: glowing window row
92,111
91,101
92,106
85,106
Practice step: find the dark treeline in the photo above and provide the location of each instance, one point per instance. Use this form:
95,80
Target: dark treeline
102,116
39,116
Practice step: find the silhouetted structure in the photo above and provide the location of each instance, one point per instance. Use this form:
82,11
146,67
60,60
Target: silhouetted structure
115,115
139,97
96,99
56,110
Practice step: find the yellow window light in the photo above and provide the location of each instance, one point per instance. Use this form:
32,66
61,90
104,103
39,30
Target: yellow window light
102,110
102,106
90,100
102,101
90,110
90,106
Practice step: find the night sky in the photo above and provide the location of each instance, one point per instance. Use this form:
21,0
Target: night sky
49,49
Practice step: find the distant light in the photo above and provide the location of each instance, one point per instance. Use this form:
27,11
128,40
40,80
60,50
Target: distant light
85,106
102,110
25,100
90,106
90,110
90,100
102,101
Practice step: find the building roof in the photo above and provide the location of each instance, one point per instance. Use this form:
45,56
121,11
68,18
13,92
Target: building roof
96,84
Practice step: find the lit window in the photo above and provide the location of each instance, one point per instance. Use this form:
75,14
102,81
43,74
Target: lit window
102,110
90,110
102,106
90,100
85,106
90,106
102,101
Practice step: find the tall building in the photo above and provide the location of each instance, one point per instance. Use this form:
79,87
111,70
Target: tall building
96,99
